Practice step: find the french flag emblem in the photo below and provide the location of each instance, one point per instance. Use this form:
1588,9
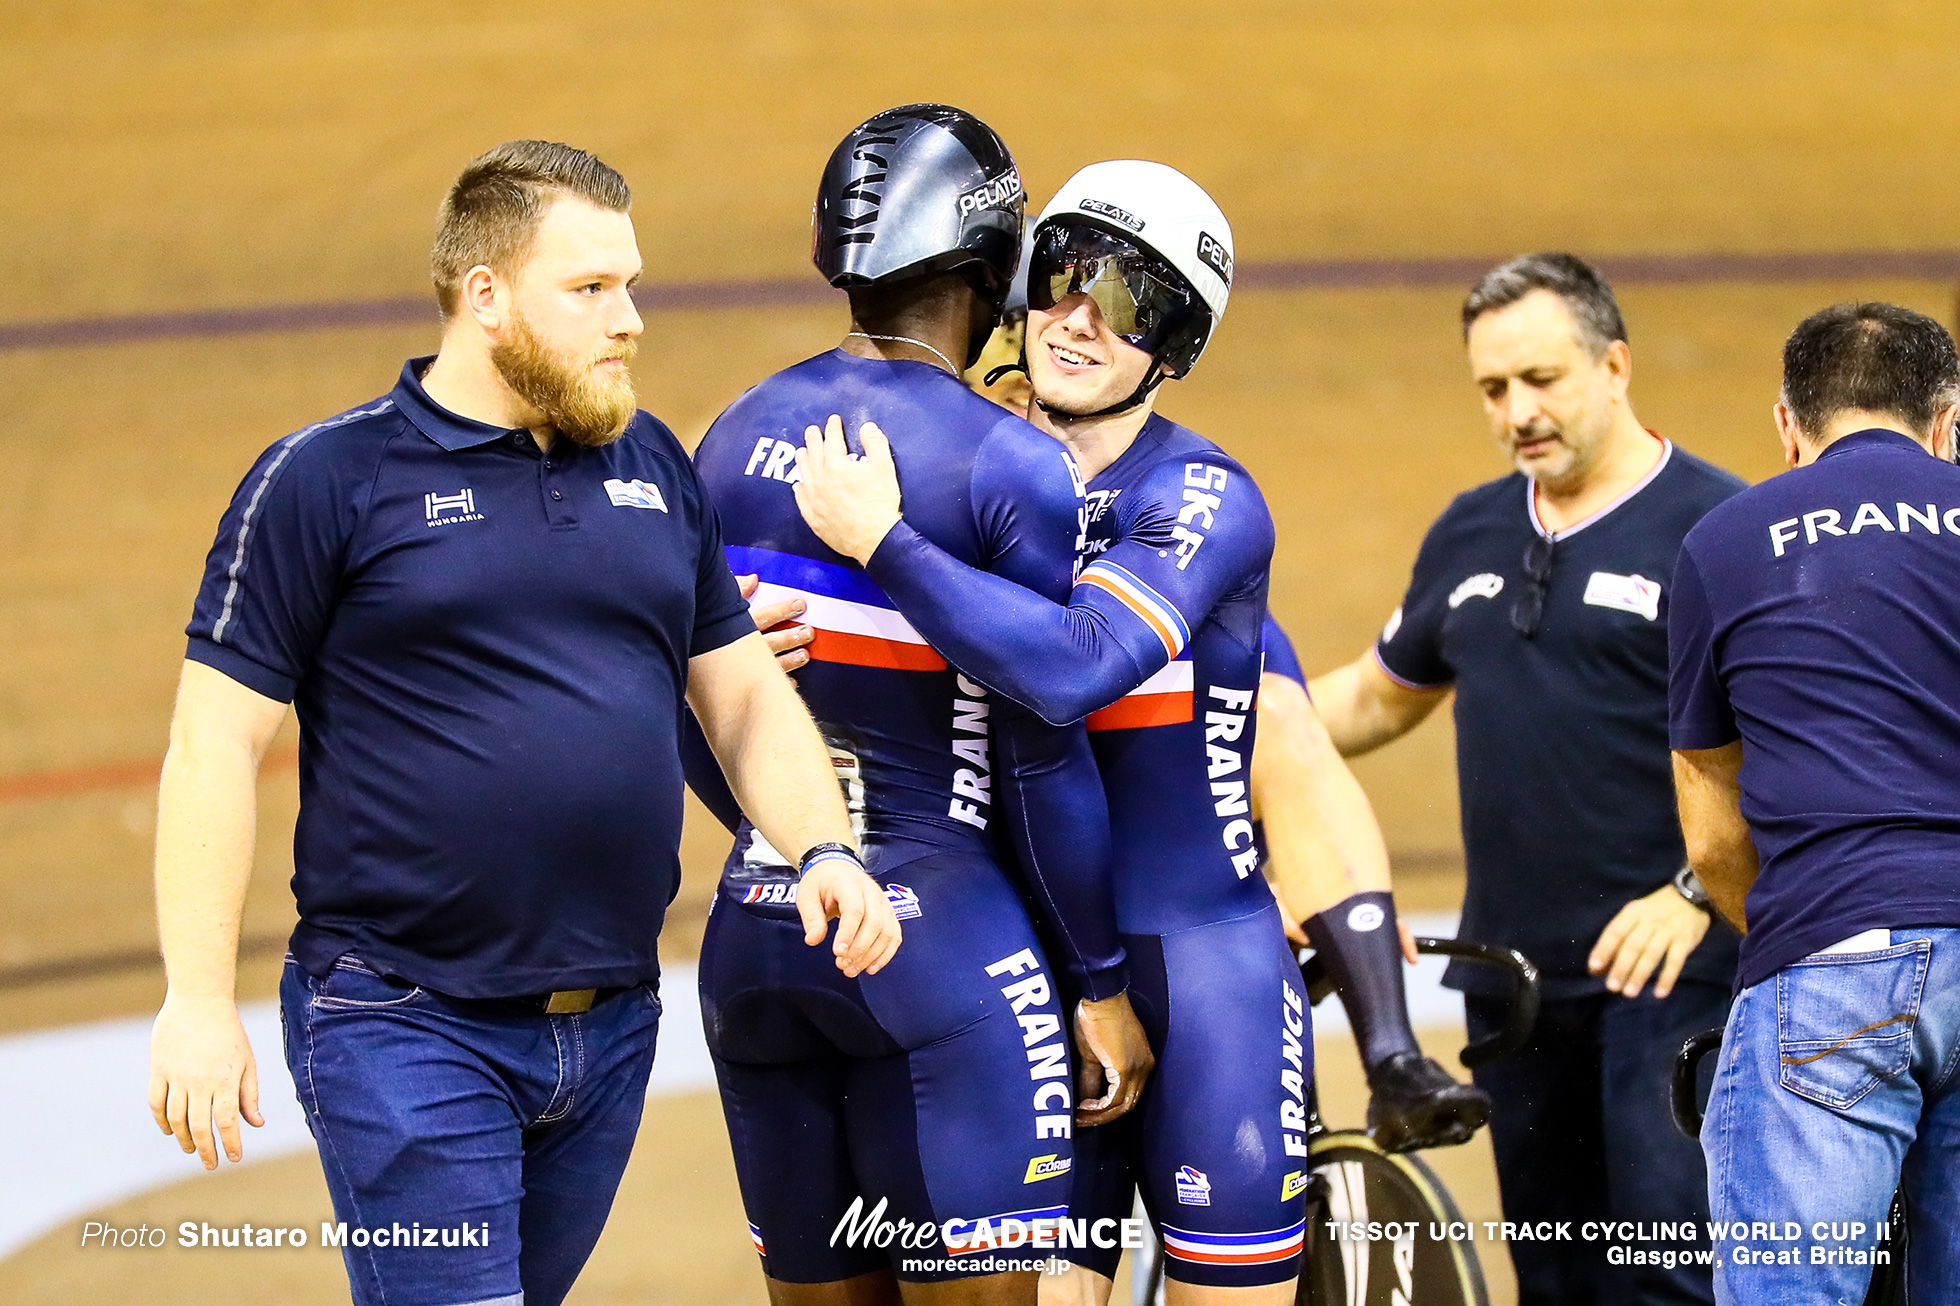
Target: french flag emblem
1162,700
1265,1248
855,623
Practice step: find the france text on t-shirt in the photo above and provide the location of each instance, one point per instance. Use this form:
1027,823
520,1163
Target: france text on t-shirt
1817,619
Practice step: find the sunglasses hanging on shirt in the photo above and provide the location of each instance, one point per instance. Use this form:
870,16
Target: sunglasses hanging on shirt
1528,612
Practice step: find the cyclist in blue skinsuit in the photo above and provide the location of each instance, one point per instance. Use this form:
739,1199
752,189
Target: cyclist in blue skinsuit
1159,647
942,1087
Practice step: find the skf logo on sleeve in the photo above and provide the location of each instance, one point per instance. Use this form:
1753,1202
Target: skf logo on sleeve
1193,1187
1051,1166
1198,508
635,494
1212,253
1627,593
450,509
1001,191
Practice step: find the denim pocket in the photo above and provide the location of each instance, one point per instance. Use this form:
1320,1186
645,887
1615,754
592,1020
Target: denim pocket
350,985
1845,1021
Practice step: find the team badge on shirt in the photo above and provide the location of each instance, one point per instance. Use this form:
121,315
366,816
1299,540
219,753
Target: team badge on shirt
904,901
635,494
1627,593
1193,1187
1483,585
450,509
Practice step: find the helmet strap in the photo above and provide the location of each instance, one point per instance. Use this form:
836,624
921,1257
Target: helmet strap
1020,365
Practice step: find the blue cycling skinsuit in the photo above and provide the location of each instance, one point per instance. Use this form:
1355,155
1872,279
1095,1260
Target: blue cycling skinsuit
941,1086
1159,646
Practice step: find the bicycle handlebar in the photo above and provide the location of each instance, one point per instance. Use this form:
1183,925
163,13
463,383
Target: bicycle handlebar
1681,1100
1524,991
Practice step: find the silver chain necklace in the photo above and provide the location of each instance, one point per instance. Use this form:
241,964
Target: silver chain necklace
908,340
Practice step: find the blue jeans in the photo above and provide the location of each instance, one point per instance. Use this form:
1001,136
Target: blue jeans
1840,1080
497,1129
1581,1131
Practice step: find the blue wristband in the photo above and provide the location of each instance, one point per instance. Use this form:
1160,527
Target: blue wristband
827,852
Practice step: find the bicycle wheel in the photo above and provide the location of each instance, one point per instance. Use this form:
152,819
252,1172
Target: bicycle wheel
1355,1182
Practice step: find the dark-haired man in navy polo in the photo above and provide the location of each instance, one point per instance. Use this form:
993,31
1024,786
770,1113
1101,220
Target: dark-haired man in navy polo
486,592
1541,599
1816,636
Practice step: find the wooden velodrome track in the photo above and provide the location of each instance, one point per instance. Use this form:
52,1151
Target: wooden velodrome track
174,159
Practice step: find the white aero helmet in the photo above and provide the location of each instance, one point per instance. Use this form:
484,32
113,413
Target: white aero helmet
1149,246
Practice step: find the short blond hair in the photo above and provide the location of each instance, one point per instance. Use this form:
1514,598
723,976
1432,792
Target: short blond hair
491,214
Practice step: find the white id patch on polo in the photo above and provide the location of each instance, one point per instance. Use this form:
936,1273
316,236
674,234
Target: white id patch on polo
1483,585
1627,593
635,494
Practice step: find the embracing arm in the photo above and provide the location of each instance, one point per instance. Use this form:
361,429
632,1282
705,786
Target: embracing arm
1064,662
201,1065
1708,790
1051,798
780,773
1124,618
1058,823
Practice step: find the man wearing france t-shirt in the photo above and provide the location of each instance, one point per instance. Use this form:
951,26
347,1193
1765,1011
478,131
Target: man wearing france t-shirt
939,1092
1159,647
1816,634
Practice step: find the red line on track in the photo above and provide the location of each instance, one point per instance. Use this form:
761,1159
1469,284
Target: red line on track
39,785
1458,271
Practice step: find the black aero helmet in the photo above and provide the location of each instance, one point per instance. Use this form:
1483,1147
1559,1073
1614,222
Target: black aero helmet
915,191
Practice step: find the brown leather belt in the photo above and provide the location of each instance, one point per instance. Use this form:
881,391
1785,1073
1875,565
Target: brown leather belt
567,1002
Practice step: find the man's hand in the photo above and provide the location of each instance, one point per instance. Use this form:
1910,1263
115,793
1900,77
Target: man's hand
1660,929
1116,1059
201,1069
789,644
867,928
851,503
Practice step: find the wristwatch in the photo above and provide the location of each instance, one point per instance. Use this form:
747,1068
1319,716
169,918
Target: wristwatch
1690,887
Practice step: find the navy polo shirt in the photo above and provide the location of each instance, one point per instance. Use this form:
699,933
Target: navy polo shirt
1817,619
487,647
1561,739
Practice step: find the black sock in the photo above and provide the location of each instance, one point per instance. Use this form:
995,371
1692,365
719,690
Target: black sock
1361,948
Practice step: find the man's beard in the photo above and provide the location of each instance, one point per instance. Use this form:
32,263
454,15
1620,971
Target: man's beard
586,408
